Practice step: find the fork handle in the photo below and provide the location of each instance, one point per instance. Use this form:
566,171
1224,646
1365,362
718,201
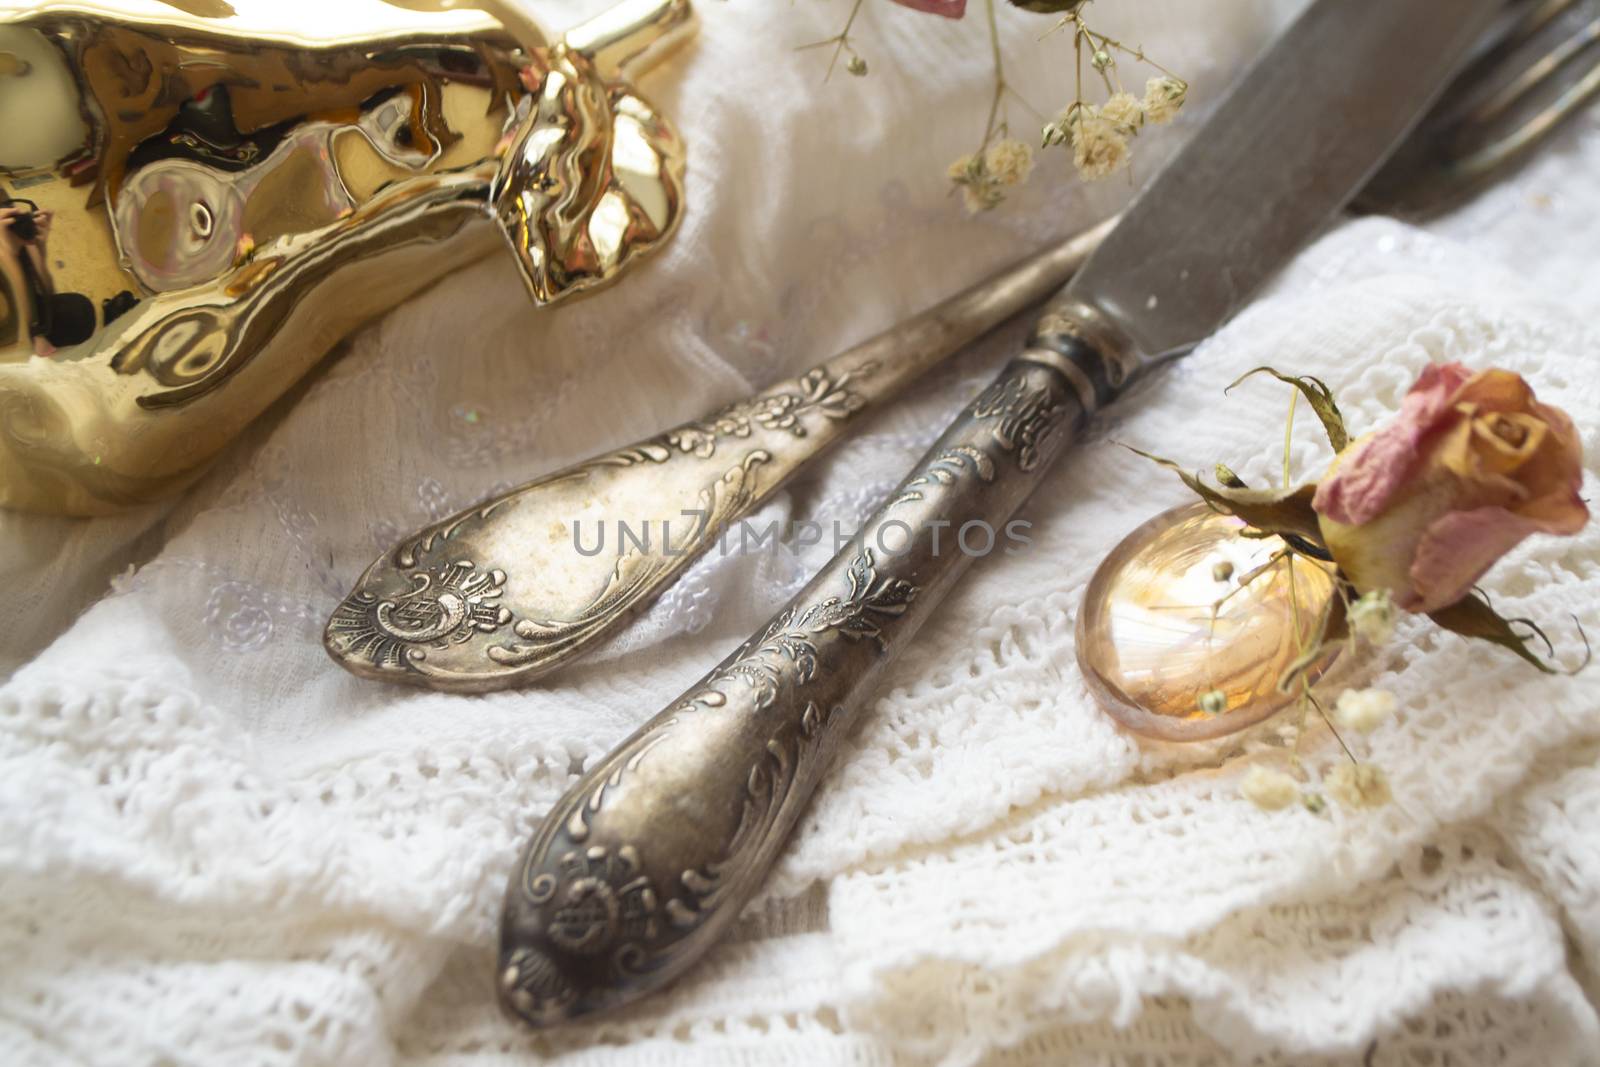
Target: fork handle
643,864
502,601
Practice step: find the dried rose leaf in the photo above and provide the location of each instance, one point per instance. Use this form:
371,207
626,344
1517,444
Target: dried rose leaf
1285,512
1473,616
1318,395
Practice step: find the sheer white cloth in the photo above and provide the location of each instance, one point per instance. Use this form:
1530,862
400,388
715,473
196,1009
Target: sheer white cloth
216,847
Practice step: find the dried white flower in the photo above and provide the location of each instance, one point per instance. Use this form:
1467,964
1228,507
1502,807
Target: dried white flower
1059,131
981,196
1364,710
1358,785
1099,146
980,190
1371,617
1125,110
1010,162
1269,790
964,168
1163,97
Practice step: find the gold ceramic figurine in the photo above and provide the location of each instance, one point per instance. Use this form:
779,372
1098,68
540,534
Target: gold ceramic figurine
199,197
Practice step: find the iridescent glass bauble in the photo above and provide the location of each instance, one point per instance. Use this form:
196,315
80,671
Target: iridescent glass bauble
1183,608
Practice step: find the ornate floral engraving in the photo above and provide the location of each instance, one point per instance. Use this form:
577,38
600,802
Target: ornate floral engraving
446,605
812,391
407,555
626,761
946,467
645,452
594,916
1025,417
533,984
598,899
638,573
599,904
545,633
769,799
791,641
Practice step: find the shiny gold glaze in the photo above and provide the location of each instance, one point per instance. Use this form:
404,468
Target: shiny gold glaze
229,193
1149,645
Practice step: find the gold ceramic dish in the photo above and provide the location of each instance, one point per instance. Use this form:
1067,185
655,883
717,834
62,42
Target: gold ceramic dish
229,193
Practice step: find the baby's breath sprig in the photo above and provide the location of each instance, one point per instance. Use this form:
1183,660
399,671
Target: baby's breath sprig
1368,618
1099,134
1000,162
855,65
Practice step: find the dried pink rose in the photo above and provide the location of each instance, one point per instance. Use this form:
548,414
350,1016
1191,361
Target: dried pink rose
950,9
1473,464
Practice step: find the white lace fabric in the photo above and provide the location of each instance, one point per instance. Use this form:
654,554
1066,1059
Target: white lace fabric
216,847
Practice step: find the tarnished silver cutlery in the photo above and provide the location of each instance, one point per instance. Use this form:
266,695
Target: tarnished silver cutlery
643,864
499,595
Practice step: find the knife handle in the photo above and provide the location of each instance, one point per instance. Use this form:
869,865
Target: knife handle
643,864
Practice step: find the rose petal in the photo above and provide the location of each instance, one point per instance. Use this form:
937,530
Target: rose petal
1495,390
1459,547
950,9
1363,484
1471,466
1555,478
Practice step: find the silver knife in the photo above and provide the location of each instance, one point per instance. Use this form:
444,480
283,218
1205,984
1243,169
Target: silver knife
643,864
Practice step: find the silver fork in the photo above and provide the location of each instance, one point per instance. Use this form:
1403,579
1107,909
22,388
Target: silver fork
1539,69
502,593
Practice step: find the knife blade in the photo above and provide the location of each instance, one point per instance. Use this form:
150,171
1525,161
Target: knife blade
1284,151
638,870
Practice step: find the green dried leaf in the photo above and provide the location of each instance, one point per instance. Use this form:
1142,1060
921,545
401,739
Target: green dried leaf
1473,616
1318,395
1229,479
1285,512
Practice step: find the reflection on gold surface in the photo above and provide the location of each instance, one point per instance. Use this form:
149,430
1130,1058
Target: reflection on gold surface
1152,636
232,186
573,224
